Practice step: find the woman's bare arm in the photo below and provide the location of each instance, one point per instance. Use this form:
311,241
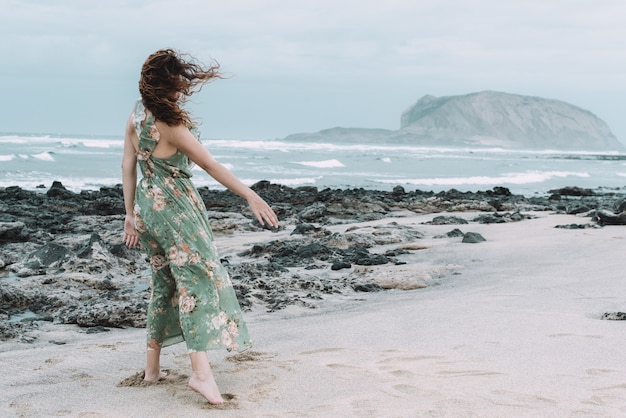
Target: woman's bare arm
180,137
129,183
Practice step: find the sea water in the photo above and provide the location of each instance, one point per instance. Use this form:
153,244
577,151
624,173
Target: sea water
88,163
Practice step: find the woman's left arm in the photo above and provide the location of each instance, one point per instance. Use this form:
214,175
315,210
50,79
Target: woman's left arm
180,137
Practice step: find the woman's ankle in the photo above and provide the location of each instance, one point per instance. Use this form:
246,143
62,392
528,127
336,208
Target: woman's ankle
154,377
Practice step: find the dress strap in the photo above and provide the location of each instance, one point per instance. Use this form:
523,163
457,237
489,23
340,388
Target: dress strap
139,116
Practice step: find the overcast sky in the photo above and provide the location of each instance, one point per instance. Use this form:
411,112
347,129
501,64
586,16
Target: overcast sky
72,66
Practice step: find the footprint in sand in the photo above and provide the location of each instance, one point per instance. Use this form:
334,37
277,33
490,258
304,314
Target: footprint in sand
136,380
323,350
619,387
405,358
349,372
230,402
21,409
50,363
521,399
406,389
597,372
176,385
462,373
399,363
252,360
575,335
250,356
402,373
257,368
346,367
366,408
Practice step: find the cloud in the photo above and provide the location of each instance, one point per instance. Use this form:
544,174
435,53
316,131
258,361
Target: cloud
330,50
316,38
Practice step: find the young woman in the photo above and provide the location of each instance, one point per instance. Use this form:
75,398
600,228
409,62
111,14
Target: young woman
192,298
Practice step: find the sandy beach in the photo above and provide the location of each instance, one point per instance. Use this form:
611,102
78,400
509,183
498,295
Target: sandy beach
512,329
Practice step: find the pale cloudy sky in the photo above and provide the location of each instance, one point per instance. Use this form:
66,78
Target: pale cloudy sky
71,66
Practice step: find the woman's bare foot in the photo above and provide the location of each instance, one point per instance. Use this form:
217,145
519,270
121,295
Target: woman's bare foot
206,386
154,377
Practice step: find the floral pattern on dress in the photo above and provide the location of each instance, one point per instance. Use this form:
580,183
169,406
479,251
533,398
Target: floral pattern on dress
192,298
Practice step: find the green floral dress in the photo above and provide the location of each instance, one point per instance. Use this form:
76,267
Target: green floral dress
192,297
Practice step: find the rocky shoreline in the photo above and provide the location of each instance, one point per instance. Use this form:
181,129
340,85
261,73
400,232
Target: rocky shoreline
62,261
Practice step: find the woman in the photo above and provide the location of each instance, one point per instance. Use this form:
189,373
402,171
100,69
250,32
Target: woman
192,298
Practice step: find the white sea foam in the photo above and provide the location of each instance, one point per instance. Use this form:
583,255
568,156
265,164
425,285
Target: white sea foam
306,146
90,143
322,164
200,181
73,184
296,181
102,143
286,146
291,163
228,166
44,156
27,139
12,140
511,178
65,142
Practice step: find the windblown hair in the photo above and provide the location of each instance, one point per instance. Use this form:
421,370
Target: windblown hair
165,74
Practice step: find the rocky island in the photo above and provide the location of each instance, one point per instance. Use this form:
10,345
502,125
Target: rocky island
487,119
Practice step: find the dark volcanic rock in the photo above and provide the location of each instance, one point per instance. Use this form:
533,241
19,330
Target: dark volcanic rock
340,265
362,257
576,226
312,250
572,191
117,314
58,190
614,316
576,208
313,212
310,230
606,217
446,220
455,233
13,232
87,249
366,287
473,238
497,218
47,255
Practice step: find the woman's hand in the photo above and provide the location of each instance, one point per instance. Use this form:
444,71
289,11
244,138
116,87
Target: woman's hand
131,239
262,211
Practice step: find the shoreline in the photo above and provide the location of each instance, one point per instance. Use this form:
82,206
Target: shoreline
62,260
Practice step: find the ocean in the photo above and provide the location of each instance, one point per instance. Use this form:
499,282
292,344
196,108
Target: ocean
88,163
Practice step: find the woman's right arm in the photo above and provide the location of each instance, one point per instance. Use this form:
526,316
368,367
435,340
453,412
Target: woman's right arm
129,184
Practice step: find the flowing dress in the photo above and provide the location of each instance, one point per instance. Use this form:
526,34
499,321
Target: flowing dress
192,298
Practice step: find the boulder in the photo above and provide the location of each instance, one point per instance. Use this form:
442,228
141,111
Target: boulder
473,238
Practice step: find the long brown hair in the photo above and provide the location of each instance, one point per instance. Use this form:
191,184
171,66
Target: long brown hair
167,73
